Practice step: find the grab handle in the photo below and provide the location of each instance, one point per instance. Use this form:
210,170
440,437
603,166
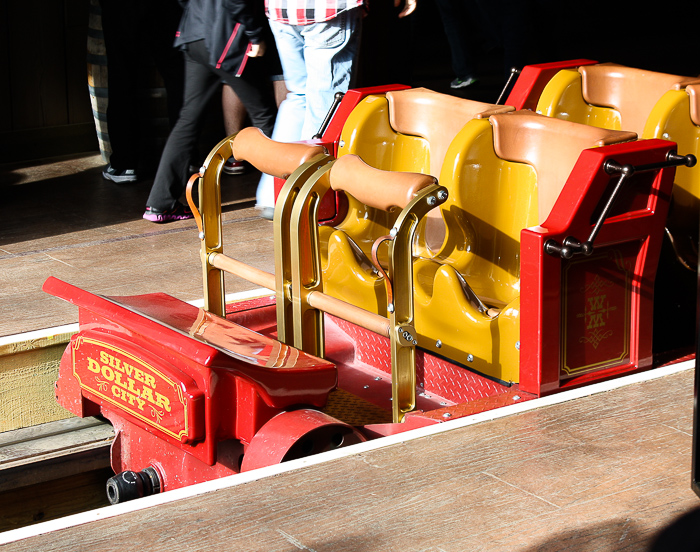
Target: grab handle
572,246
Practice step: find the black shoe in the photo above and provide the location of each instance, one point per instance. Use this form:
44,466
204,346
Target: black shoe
128,175
179,212
232,166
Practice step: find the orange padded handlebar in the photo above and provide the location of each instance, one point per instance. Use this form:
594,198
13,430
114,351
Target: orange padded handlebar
278,159
374,187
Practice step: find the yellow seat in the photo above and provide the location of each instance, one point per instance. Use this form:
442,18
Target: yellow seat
408,131
654,105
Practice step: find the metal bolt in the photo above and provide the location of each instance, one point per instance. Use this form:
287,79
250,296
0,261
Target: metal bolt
377,379
442,195
341,143
443,404
366,387
517,345
447,415
431,200
415,342
470,357
438,344
516,397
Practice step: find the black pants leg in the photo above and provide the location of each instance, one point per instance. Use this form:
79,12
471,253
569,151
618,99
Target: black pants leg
200,86
202,81
255,91
135,31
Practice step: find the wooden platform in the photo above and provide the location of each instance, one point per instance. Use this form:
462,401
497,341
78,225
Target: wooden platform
601,472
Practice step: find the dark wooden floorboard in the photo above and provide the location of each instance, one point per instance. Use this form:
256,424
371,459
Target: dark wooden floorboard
599,473
64,220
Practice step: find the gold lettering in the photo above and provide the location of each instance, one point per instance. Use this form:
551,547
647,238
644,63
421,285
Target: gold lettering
93,365
150,380
108,373
125,387
147,394
596,321
597,302
138,374
163,402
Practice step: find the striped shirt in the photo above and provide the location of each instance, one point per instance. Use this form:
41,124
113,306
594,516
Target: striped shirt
305,12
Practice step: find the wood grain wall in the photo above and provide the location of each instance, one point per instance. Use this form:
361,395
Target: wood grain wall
44,100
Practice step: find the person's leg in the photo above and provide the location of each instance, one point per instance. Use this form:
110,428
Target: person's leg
254,90
456,23
234,111
160,26
200,85
280,89
124,60
330,51
290,116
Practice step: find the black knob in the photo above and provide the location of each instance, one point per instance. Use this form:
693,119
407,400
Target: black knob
129,485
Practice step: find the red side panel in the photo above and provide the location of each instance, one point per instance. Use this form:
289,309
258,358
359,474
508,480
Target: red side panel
590,317
533,79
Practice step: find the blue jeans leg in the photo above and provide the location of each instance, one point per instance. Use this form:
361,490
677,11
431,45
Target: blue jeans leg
317,61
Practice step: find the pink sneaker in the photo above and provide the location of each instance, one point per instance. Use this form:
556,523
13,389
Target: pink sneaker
179,212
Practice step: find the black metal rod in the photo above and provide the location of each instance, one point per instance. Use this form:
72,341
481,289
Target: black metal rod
513,72
695,453
324,125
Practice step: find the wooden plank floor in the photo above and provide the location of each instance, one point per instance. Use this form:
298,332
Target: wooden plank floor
598,473
63,219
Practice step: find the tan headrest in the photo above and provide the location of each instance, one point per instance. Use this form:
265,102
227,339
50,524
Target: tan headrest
435,117
694,93
551,146
632,92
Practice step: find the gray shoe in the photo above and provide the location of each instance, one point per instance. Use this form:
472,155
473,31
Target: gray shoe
129,175
267,212
462,82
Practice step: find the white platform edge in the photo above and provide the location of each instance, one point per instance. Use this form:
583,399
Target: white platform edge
262,473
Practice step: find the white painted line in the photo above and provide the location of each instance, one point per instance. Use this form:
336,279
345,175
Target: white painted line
255,475
238,296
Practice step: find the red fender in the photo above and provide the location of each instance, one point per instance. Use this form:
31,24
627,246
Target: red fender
297,434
